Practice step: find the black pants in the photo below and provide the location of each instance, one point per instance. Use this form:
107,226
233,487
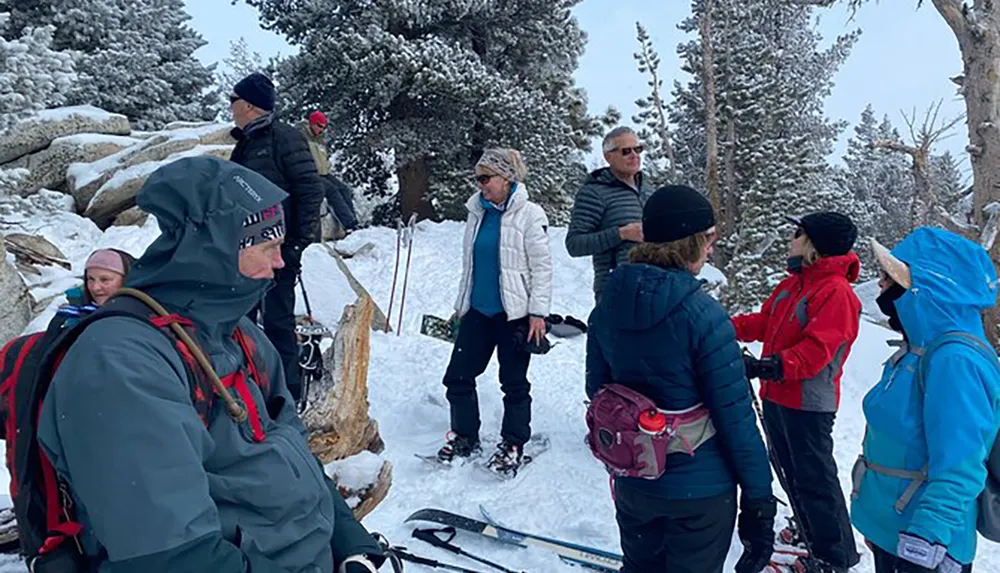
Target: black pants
885,562
678,536
279,319
803,443
478,336
341,201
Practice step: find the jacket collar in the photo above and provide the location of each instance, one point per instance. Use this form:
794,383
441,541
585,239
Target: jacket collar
848,266
518,198
254,126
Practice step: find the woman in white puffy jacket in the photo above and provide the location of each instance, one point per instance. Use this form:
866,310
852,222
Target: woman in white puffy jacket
503,300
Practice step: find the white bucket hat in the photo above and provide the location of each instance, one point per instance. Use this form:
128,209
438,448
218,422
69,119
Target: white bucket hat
895,268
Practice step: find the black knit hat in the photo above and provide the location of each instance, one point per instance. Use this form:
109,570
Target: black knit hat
257,90
831,233
675,212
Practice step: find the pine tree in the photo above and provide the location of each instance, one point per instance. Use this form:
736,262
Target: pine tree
428,85
33,76
949,181
771,79
659,166
136,56
880,183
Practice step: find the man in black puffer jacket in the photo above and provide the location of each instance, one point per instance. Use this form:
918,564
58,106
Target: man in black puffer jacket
280,153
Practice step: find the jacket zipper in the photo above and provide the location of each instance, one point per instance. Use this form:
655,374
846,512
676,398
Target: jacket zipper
467,282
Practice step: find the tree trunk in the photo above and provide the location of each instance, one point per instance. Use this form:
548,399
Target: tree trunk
414,182
977,30
711,117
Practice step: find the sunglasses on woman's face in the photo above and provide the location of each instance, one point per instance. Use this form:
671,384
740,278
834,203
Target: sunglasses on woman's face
799,232
234,98
483,179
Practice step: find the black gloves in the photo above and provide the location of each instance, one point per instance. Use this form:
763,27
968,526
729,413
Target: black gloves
756,531
768,368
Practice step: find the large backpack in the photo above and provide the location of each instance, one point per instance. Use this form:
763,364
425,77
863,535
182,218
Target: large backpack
43,502
616,438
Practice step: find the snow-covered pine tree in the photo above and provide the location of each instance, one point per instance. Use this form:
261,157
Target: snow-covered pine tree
33,76
880,183
771,79
430,84
950,182
658,162
136,56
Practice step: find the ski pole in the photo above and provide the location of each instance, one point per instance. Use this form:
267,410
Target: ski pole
305,297
401,553
411,225
430,536
395,273
776,464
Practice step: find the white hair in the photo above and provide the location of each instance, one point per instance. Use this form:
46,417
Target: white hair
609,139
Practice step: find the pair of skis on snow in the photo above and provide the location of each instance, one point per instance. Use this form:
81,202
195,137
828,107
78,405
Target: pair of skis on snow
785,559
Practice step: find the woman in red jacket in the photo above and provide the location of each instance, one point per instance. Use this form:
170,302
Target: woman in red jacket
808,326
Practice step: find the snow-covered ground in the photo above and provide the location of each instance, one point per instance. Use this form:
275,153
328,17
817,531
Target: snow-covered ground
565,492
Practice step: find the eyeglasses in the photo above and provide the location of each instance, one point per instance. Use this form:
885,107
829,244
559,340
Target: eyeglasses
799,231
484,179
234,98
626,151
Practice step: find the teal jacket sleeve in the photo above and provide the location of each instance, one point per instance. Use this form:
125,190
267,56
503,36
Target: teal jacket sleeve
118,423
961,401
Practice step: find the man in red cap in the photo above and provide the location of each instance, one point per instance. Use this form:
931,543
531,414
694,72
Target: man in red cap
338,195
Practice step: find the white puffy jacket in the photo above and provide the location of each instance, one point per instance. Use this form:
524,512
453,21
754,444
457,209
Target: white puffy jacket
525,257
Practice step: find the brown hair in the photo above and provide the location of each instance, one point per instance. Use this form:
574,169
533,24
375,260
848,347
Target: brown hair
679,253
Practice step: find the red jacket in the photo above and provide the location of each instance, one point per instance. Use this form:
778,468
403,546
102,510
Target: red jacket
810,321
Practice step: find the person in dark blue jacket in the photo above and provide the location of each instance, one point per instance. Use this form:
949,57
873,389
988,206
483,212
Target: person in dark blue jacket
657,332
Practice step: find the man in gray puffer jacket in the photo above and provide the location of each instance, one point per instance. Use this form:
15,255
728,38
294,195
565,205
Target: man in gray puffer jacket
155,487
607,213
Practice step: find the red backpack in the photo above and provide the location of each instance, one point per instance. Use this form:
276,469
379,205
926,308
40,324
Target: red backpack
43,503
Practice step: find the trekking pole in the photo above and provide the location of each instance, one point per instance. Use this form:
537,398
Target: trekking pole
395,272
411,225
431,536
305,297
401,553
778,470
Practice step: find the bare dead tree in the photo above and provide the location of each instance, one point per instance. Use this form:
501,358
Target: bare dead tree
925,208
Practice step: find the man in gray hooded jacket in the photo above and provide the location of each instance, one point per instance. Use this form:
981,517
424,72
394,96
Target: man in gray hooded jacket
155,487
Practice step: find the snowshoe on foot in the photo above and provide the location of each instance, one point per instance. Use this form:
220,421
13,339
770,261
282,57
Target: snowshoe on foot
458,447
791,535
508,459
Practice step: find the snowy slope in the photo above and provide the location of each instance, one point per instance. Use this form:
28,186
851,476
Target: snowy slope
565,492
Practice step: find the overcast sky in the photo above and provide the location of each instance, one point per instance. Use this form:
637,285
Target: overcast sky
902,61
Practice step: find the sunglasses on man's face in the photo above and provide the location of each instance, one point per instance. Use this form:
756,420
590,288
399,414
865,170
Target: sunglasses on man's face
626,151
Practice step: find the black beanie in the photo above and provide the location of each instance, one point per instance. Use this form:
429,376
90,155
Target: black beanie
831,233
257,90
675,212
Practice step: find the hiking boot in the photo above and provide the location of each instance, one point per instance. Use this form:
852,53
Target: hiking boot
508,458
458,446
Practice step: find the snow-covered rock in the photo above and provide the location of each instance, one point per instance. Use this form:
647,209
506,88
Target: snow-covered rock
15,303
117,194
47,168
38,131
133,216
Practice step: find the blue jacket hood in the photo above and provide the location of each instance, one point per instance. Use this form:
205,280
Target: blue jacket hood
200,204
953,282
639,296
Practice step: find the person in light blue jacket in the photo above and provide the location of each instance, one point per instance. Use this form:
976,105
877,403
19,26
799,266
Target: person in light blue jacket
928,436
